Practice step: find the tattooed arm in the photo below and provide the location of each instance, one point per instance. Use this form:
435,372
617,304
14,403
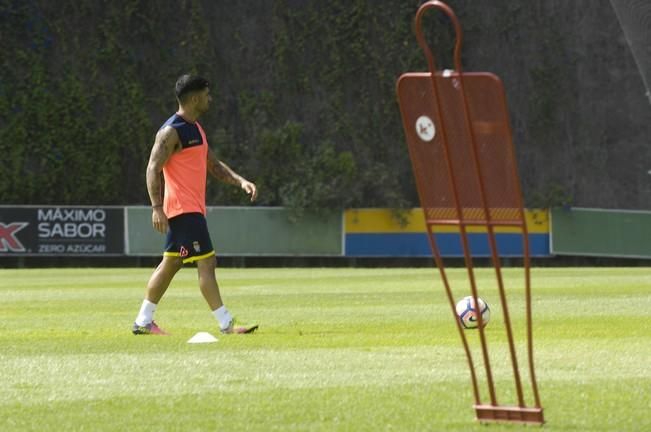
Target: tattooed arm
166,143
223,172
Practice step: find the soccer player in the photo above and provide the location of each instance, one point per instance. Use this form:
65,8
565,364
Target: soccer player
182,154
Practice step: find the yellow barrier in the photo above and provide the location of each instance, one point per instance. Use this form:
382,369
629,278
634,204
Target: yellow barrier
380,220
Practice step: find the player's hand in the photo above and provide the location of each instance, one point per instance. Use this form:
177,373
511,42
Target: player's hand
249,188
159,220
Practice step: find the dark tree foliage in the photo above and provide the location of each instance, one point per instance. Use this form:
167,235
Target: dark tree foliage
305,100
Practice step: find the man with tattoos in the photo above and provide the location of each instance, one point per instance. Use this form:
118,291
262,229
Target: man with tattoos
182,155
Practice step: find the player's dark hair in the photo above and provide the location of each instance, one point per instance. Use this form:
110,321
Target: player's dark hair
187,84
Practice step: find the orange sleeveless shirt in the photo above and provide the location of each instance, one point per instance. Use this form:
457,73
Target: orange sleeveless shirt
185,171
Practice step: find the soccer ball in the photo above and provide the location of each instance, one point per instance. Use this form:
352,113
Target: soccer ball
467,313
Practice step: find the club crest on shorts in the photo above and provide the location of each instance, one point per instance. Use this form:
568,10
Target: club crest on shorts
183,252
196,246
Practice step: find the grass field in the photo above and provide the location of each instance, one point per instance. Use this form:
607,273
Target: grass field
337,349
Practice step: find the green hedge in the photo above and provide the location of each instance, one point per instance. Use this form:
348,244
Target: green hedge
304,95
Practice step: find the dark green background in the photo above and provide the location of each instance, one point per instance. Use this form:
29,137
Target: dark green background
601,233
245,231
305,100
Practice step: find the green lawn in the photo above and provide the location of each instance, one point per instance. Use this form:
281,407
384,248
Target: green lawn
337,349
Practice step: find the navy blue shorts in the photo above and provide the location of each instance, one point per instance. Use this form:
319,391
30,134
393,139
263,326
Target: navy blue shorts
188,238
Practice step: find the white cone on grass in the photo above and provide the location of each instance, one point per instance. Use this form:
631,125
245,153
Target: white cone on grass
202,337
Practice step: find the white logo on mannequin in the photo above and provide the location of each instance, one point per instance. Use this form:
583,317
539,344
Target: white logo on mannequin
425,128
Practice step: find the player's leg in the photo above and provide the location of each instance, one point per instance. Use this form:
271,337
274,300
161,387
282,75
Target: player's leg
158,283
210,290
208,282
162,277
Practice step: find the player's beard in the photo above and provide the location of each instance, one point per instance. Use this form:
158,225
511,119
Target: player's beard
204,108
